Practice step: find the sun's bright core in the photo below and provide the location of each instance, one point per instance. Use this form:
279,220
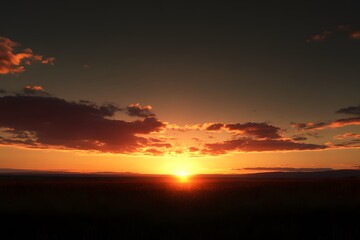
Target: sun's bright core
182,175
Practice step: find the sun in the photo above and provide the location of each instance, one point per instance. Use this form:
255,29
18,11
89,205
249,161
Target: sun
182,175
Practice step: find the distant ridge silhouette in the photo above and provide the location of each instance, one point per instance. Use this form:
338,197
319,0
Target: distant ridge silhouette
344,173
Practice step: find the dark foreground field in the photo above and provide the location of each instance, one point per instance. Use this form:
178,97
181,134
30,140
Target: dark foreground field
73,207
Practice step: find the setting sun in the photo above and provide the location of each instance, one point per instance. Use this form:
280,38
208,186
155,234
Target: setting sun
182,175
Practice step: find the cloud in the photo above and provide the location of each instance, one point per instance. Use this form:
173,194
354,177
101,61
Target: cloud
309,125
354,143
347,135
299,138
352,110
14,62
35,90
321,125
285,169
165,145
136,110
194,149
35,119
355,35
214,127
340,29
255,145
154,152
304,136
320,36
259,130
344,122
52,122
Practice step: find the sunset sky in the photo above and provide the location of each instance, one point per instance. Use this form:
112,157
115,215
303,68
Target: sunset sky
171,86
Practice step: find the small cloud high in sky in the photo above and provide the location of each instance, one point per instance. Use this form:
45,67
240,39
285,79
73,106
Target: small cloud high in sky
156,88
12,61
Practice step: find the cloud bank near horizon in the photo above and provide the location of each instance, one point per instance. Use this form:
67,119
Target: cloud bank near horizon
34,118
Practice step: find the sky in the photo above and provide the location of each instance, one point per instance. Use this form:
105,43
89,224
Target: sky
168,86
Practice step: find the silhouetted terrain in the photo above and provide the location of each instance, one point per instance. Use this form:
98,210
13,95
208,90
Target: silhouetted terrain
71,206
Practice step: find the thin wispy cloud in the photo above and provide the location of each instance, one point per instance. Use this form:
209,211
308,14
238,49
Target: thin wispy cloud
347,30
352,110
283,169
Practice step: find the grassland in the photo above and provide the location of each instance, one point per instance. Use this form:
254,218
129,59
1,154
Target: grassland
205,207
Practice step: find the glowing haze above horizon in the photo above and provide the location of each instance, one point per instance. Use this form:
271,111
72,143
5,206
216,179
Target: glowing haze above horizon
176,87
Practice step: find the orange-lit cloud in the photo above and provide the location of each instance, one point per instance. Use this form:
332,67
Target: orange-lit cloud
352,140
340,29
15,62
352,110
320,36
347,135
154,152
34,90
355,35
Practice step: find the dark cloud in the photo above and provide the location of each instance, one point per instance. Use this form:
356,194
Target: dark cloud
286,169
309,125
353,110
299,138
254,145
354,143
259,130
136,110
57,123
15,62
304,136
215,127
